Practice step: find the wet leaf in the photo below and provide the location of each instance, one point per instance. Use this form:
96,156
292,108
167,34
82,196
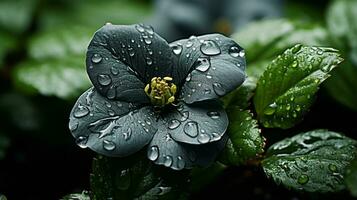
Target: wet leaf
287,88
241,96
127,178
351,178
77,196
267,39
245,139
61,78
314,161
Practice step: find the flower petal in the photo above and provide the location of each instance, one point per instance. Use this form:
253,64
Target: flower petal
208,66
197,123
122,59
164,150
112,128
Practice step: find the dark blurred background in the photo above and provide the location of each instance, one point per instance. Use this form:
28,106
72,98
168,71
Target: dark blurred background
42,72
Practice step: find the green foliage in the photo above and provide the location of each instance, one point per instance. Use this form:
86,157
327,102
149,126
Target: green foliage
314,161
267,39
241,96
351,178
128,178
245,141
286,90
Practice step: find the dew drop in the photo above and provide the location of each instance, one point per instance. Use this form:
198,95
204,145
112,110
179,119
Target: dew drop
303,179
213,114
191,129
203,64
294,64
174,124
104,79
153,153
219,89
207,91
332,167
127,135
242,53
189,44
73,125
140,28
215,137
168,161
210,48
147,41
81,141
96,58
177,49
184,116
80,111
209,76
234,51
188,78
111,93
180,163
148,61
203,138
108,145
270,109
114,70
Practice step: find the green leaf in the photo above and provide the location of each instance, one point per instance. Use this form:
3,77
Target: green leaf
16,16
245,139
314,161
241,96
128,178
351,178
61,78
267,39
287,88
77,196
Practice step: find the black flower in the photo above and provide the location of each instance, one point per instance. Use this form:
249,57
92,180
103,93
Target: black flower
149,92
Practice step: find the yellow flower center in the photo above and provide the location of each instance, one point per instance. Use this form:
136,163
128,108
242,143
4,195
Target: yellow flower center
161,91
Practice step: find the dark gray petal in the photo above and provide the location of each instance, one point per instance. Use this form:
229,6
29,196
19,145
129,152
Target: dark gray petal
112,128
197,123
122,59
208,66
164,150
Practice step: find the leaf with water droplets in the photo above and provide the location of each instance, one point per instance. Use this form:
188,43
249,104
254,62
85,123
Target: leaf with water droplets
314,161
197,124
111,128
212,65
285,92
245,139
131,51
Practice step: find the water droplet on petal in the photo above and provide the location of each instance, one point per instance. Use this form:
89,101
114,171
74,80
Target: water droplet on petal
111,93
189,44
270,109
168,161
213,114
184,116
81,141
242,53
210,48
303,179
234,51
203,138
215,137
140,28
148,61
191,129
147,41
96,58
80,111
207,91
114,70
104,79
180,163
203,64
127,135
219,89
188,78
108,145
174,124
73,125
153,153
177,49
